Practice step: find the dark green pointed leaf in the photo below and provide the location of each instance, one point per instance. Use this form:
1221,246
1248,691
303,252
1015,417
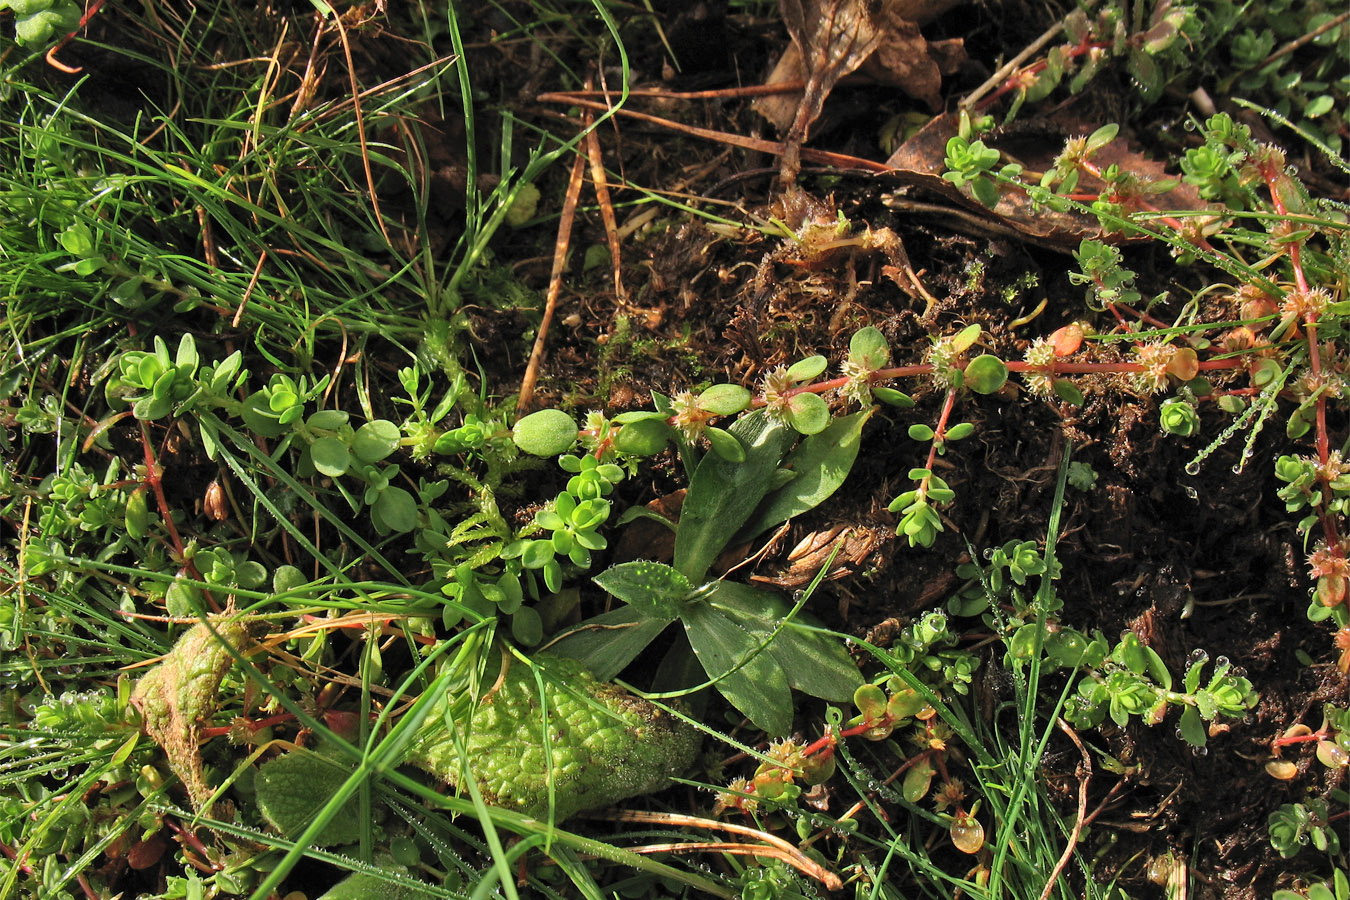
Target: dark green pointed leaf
815,662
820,463
722,495
610,641
754,684
654,589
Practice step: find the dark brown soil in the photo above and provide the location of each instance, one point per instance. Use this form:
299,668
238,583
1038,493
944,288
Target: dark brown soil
1209,561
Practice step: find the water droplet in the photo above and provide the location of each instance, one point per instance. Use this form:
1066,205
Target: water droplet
1221,662
1237,469
1198,656
1193,468
1190,492
1199,751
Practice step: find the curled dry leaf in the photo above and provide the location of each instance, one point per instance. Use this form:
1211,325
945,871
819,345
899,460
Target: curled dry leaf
178,694
833,38
813,551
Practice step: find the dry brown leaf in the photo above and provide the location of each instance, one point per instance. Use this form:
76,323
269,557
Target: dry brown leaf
832,38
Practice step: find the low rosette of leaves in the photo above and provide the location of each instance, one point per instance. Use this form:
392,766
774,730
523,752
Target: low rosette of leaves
574,531
749,642
1296,825
920,521
1134,681
156,385
280,406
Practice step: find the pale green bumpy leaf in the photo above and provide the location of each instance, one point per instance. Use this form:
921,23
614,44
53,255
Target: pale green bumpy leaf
591,742
293,788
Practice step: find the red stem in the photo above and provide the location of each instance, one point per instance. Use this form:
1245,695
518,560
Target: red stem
941,430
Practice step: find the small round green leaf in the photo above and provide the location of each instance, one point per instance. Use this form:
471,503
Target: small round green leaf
806,369
966,338
327,420
638,415
725,445
537,554
330,456
920,432
287,577
868,349
724,399
960,430
397,509
1068,392
545,433
527,627
375,440
137,518
645,437
892,397
250,574
986,374
808,413
985,191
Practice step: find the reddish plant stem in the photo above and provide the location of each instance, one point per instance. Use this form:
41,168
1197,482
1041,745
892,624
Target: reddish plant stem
156,483
948,404
13,856
1271,173
1138,204
254,726
1022,77
152,478
1300,738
